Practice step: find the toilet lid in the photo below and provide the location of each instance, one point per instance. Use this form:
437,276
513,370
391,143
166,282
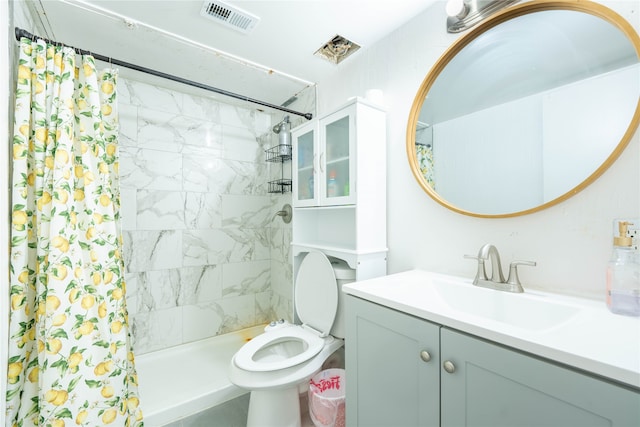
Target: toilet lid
316,292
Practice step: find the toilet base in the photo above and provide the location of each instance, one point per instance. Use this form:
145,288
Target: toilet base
274,408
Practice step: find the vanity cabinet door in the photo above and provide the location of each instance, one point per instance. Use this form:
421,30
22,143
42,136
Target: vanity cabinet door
492,385
392,367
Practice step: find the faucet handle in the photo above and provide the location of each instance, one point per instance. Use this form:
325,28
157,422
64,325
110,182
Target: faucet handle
481,274
513,271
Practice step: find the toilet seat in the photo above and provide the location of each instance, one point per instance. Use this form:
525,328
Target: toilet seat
316,302
271,359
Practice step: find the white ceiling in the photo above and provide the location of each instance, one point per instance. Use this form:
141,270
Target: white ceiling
279,51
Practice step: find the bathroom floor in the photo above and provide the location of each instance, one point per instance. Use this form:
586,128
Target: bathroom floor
229,414
304,411
234,414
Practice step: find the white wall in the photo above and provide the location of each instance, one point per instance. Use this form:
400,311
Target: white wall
600,107
491,185
571,241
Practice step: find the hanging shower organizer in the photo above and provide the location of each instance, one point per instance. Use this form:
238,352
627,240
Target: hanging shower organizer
280,153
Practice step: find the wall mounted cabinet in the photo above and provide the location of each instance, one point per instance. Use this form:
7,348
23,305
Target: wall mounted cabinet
339,187
403,370
339,159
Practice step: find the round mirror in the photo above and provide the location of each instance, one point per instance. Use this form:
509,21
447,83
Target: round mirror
527,109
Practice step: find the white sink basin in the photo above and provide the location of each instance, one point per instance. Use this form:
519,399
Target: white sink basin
523,310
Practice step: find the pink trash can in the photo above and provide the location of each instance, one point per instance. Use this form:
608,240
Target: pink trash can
327,398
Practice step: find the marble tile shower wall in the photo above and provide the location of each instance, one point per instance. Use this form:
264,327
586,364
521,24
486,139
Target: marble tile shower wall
201,246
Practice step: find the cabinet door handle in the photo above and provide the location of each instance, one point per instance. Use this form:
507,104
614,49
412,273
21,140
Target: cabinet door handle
321,162
425,356
449,366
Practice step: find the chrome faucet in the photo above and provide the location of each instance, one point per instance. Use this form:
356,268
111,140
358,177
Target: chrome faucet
490,252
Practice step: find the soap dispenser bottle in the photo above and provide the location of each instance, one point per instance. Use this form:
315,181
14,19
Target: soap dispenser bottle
623,275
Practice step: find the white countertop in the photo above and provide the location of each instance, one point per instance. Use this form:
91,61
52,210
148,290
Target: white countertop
589,338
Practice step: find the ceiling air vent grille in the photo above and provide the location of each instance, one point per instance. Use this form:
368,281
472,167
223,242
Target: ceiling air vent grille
230,16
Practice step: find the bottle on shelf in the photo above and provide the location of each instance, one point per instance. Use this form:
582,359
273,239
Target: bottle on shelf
332,185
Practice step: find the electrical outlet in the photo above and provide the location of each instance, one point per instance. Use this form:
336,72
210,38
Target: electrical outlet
633,231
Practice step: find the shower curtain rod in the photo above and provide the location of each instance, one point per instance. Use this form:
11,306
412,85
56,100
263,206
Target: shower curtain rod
24,33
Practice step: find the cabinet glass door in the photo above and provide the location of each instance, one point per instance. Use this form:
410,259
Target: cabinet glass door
336,164
305,185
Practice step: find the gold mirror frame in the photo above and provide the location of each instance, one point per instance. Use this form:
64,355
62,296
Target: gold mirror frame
589,7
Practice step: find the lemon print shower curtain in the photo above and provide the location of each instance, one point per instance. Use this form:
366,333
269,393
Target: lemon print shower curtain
70,361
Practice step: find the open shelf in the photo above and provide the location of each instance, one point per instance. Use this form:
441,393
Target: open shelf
348,254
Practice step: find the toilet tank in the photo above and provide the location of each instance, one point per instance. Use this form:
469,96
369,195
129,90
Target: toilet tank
344,274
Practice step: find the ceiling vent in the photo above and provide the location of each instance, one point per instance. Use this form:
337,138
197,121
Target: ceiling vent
337,49
230,16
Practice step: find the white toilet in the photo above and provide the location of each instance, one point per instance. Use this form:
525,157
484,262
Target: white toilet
274,364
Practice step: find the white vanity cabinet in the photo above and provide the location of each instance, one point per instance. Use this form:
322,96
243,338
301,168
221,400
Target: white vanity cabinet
406,371
339,187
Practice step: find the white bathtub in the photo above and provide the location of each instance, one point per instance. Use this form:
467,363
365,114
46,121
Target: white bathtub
189,378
